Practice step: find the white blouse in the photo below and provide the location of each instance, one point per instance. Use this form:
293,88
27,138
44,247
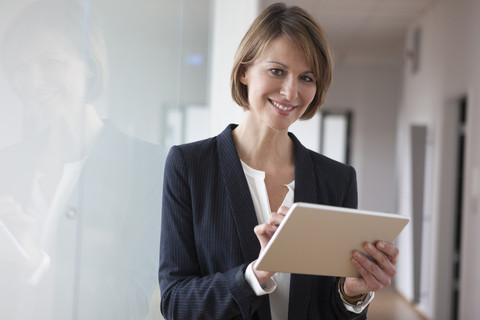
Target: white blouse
279,286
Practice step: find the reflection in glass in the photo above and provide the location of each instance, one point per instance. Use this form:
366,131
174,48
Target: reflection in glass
79,199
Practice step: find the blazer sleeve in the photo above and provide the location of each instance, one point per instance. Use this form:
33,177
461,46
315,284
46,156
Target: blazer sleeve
187,291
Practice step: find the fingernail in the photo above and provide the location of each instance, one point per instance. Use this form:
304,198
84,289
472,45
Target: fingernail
380,245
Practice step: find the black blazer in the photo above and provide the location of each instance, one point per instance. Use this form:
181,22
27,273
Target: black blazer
105,246
207,237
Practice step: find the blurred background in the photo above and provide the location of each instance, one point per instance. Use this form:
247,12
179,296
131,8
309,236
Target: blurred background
94,92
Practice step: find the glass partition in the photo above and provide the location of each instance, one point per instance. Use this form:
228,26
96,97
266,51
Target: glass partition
92,93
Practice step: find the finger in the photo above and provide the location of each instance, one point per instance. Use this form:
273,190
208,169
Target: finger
9,206
12,212
381,259
371,283
374,270
389,249
264,233
265,229
276,218
5,198
283,210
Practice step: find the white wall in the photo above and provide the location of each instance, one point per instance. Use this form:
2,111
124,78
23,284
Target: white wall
448,69
231,20
372,93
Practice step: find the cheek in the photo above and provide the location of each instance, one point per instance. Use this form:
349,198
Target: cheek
73,77
18,83
309,94
263,88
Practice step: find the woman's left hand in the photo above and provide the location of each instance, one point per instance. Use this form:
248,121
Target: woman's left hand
376,272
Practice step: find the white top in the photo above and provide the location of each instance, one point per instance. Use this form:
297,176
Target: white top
48,215
278,287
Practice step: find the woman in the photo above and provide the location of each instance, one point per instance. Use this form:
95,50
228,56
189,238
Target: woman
224,197
80,199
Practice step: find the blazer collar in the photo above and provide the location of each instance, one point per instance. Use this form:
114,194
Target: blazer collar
305,179
237,189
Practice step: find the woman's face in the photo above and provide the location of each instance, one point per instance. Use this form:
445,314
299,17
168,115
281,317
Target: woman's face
281,84
48,75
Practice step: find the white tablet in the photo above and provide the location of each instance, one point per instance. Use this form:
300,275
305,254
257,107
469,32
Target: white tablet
319,240
10,248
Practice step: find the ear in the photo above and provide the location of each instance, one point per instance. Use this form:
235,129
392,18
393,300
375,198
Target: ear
89,65
243,75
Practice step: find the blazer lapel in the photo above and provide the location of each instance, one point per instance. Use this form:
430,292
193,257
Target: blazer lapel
243,210
306,186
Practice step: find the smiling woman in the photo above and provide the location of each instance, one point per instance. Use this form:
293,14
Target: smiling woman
225,197
78,198
55,61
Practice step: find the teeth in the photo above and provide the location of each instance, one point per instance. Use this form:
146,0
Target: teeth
281,107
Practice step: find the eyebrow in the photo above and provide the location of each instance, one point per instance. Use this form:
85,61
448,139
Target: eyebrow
286,67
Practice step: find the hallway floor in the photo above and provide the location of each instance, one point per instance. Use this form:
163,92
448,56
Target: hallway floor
389,305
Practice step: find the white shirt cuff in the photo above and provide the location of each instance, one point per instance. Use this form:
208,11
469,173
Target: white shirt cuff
268,287
360,307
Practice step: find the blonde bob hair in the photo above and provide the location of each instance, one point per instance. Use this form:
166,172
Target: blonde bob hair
300,28
72,20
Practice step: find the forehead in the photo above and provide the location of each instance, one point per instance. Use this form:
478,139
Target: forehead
282,49
40,41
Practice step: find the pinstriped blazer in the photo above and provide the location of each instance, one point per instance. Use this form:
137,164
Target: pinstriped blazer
207,237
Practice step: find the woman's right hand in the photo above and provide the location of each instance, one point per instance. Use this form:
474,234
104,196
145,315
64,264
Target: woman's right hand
264,233
18,228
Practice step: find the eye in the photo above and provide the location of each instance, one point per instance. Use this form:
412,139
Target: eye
307,78
276,72
50,62
18,69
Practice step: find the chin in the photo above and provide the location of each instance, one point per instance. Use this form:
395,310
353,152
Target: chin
280,127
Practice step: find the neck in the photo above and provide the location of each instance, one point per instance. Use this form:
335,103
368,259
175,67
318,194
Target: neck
262,147
70,138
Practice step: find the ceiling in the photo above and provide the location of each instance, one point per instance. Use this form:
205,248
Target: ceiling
365,31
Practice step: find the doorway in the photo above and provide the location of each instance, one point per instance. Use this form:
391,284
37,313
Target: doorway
460,161
449,232
336,134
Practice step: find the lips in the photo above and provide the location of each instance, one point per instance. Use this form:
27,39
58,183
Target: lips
43,96
282,106
41,93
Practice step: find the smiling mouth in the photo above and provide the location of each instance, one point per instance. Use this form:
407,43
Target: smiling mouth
41,95
44,96
281,106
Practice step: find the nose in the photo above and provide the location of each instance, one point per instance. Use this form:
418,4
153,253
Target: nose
290,88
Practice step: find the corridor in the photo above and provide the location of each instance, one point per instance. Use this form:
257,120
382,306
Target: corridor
390,305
